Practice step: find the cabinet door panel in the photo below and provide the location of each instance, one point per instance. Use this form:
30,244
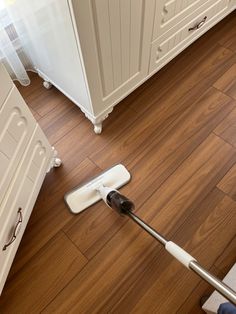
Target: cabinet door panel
125,11
101,16
118,39
16,128
115,45
136,20
22,193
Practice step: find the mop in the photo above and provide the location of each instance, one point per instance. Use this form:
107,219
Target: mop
104,187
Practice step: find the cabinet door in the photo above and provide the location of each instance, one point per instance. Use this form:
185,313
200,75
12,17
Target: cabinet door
22,193
16,128
115,40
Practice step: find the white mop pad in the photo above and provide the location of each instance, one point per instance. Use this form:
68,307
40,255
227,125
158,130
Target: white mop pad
86,194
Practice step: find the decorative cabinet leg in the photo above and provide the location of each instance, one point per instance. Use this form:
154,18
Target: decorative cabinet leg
55,161
97,121
47,84
98,128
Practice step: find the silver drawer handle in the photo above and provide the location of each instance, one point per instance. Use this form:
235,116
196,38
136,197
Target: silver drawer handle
198,25
16,229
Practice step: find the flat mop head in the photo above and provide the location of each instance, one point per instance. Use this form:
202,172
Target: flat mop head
87,194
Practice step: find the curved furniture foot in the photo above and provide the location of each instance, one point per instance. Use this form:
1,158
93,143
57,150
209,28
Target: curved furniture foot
47,84
57,162
98,128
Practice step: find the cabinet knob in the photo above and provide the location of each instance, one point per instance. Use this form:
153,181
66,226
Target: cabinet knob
198,25
16,229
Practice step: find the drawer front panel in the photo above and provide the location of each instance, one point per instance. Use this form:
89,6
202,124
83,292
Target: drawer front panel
16,127
6,84
22,194
164,49
175,13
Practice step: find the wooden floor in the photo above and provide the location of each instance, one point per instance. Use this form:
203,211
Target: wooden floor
177,136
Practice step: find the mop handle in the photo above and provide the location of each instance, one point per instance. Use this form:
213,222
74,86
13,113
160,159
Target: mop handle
187,260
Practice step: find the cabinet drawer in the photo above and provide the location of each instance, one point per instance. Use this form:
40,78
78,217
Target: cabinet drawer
165,48
6,84
16,128
22,194
171,15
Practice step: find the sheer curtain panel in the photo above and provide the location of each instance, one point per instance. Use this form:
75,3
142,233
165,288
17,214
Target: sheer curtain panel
13,41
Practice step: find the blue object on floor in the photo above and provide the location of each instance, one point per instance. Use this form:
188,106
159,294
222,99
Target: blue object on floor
226,308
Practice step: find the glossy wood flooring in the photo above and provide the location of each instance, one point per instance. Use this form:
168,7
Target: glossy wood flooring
177,136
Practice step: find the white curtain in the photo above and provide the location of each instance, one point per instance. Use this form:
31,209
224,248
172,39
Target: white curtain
13,42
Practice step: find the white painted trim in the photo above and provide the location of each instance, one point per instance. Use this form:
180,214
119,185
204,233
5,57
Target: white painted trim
80,52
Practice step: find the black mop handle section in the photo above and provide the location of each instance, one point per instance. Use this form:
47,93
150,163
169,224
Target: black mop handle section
186,259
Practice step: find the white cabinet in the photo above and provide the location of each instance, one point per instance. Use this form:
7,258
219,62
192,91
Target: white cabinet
98,51
25,158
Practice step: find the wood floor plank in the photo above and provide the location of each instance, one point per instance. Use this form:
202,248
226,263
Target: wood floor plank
50,213
125,257
166,153
46,274
223,31
205,162
227,184
158,122
35,114
227,128
229,38
60,120
230,41
81,140
93,229
43,102
197,67
105,274
60,181
227,82
227,259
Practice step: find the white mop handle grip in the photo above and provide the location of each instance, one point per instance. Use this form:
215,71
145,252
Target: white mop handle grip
181,255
